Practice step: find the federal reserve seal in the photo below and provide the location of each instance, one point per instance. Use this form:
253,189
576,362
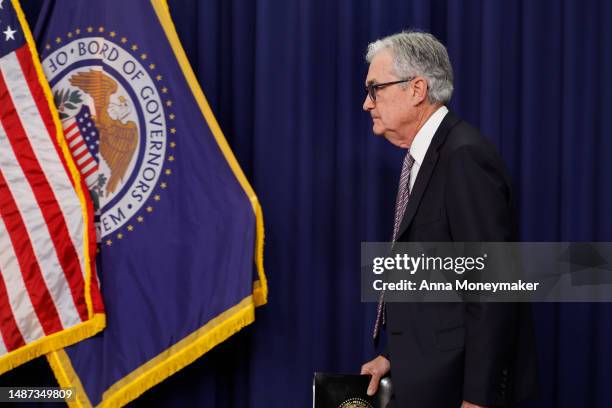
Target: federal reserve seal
115,111
355,403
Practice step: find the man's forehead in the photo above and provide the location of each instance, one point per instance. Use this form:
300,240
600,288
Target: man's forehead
380,68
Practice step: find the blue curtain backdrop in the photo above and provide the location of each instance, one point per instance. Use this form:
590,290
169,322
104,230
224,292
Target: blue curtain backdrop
285,80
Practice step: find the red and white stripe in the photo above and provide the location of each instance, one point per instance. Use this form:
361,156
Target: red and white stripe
87,165
41,220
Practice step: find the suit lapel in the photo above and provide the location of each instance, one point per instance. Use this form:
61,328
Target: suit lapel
426,170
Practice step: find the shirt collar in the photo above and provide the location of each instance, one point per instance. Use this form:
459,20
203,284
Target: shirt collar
423,138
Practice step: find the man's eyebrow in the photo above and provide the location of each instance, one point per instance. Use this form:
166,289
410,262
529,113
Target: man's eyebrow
370,82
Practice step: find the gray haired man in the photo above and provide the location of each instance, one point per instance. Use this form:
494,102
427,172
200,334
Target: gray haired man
453,187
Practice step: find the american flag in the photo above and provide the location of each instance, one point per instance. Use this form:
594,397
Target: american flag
48,290
83,139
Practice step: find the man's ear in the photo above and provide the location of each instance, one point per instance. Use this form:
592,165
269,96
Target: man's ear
418,90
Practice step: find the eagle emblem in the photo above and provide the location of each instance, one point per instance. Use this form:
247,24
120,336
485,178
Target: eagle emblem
118,137
355,403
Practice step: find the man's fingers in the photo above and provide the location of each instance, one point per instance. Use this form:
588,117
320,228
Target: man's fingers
371,370
373,386
376,368
466,404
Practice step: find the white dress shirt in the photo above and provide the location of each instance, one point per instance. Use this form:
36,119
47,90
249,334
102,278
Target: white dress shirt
422,140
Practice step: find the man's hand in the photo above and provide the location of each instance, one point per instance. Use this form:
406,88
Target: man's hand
470,405
377,368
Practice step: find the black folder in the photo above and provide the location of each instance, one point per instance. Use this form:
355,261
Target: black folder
349,391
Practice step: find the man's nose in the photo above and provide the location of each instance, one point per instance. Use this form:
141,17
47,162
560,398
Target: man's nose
367,103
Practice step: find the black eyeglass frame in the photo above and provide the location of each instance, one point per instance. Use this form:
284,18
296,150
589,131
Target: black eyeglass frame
373,87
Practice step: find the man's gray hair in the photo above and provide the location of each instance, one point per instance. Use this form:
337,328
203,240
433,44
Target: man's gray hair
419,54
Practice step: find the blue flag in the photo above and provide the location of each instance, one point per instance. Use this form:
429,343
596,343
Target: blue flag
180,231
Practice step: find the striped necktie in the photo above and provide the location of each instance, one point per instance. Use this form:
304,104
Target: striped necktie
403,195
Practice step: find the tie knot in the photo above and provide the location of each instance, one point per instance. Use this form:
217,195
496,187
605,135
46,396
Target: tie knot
408,163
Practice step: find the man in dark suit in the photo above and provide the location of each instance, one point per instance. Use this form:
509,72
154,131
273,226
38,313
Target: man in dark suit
453,187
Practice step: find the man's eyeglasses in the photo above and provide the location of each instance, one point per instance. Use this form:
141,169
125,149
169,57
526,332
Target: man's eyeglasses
372,88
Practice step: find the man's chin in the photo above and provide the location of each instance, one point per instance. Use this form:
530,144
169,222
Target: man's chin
377,130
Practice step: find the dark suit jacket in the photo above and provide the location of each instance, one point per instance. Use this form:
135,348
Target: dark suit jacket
443,353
